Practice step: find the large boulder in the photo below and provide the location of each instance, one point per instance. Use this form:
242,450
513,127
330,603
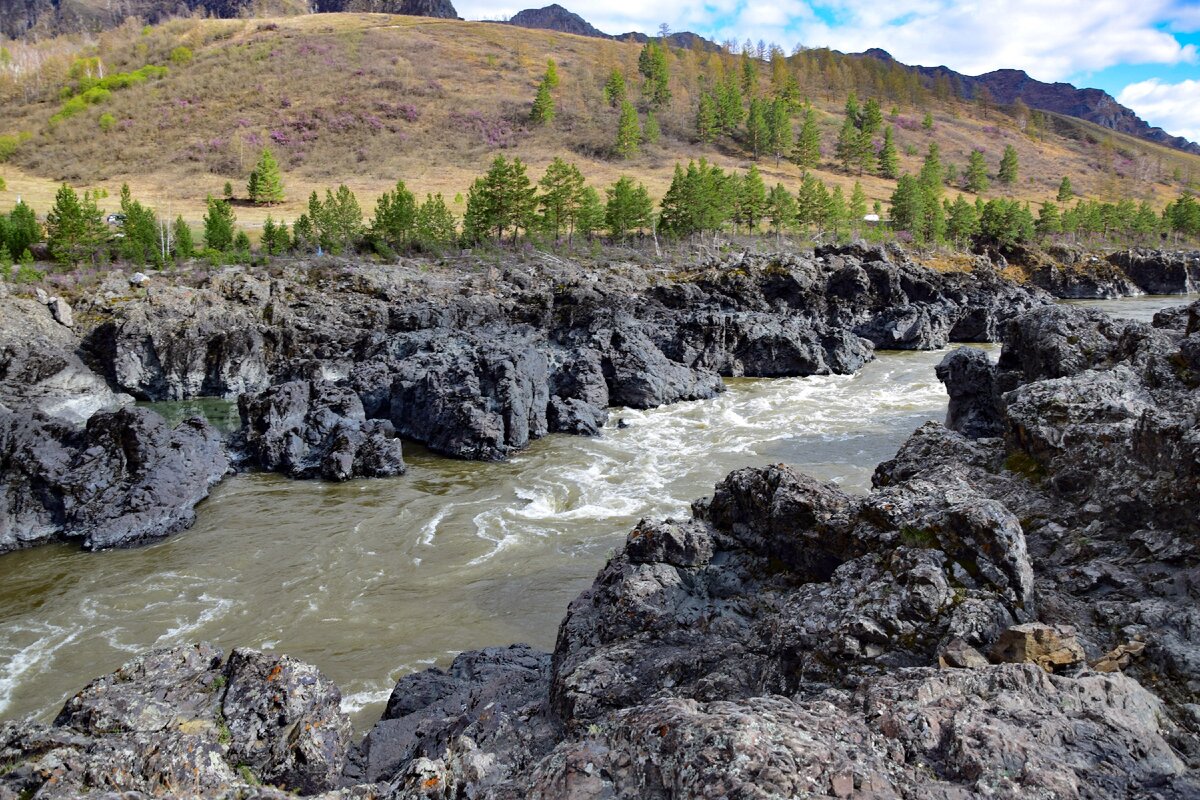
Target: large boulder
309,429
180,722
124,479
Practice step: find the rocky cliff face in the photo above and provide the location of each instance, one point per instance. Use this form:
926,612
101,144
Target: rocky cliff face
556,18
1011,612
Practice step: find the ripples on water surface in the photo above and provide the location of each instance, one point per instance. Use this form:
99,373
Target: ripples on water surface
372,579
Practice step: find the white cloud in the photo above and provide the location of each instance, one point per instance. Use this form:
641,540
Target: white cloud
1050,40
1173,106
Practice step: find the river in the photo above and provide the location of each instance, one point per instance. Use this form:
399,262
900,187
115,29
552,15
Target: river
372,579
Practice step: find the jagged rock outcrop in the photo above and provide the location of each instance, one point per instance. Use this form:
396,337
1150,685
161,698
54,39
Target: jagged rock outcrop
181,722
126,478
39,367
477,367
310,429
1160,272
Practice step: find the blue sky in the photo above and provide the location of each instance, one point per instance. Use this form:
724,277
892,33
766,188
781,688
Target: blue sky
1146,53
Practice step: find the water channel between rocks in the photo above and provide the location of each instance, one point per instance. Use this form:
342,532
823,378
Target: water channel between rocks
375,578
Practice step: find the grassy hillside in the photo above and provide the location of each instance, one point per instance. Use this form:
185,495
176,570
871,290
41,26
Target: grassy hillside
365,99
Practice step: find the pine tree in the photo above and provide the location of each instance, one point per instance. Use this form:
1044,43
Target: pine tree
836,214
757,132
589,217
341,225
395,217
614,88
1008,166
551,76
435,226
962,220
219,220
858,204
652,64
853,111
562,187
908,208
304,233
708,125
806,153
931,171
74,228
872,117
543,105
751,201
779,128
266,183
1049,220
864,151
1065,191
976,176
781,208
629,133
698,199
275,240
181,240
501,200
927,121
847,147
628,207
889,160
650,131
139,241
730,111
749,75
812,201
23,228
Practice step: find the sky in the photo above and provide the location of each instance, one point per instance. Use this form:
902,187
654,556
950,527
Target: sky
1146,53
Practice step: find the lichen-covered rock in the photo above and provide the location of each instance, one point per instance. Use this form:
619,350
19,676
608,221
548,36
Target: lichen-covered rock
178,722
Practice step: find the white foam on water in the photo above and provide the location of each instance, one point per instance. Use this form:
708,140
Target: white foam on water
185,627
33,658
357,701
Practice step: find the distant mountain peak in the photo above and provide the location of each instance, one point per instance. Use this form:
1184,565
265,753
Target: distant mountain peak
556,18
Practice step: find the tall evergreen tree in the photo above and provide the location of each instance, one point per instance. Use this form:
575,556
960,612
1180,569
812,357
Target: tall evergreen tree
806,153
699,199
1065,191
708,123
562,191
757,130
139,241
435,226
651,133
182,244
872,117
628,208
500,201
730,111
751,201
629,132
779,128
962,220
341,220
266,182
24,231
542,112
395,217
589,217
74,228
614,88
781,208
1008,165
889,160
847,147
1049,220
908,207
218,225
976,176
749,75
652,64
858,204
550,78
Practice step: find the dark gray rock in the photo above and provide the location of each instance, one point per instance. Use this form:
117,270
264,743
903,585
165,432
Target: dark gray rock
125,479
308,429
1160,272
975,406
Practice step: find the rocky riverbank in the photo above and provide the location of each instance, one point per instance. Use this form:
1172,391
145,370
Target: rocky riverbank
331,364
1012,612
1072,273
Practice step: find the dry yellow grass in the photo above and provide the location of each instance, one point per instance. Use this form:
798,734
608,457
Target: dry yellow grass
335,96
